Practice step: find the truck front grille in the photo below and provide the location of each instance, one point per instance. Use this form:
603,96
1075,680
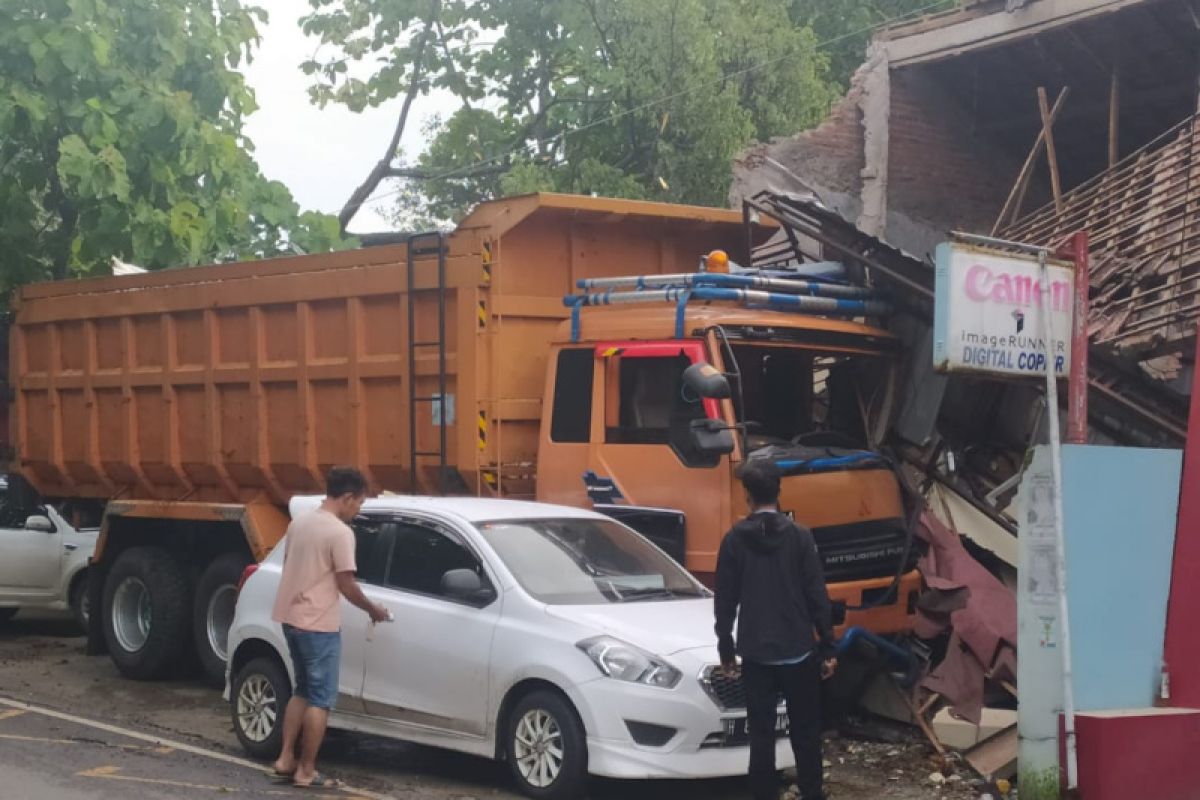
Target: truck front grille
863,550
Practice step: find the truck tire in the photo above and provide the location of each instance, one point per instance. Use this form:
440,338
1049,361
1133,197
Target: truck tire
258,695
80,608
212,613
145,612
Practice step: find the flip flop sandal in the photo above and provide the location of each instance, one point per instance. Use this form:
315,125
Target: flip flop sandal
320,781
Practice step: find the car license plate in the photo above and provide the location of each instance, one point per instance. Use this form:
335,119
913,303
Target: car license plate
737,730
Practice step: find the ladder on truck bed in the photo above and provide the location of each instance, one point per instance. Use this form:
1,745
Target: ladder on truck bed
420,246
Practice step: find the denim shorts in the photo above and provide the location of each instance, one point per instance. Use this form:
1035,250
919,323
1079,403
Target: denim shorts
316,657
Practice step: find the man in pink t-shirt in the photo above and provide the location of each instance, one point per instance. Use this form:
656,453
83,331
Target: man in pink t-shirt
318,570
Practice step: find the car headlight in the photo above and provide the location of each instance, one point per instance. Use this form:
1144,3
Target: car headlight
624,662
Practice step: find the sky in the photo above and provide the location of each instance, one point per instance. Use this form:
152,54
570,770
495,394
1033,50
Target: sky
322,155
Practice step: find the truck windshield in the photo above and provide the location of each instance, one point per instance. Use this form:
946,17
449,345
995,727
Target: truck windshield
587,562
798,396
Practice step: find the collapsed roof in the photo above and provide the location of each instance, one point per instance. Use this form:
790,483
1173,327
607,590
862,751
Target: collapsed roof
942,119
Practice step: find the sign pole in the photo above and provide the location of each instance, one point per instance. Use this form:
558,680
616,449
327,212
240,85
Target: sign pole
1060,538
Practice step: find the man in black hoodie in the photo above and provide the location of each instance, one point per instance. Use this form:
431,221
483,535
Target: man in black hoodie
769,578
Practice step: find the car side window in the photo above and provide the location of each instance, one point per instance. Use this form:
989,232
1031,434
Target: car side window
372,542
17,503
422,555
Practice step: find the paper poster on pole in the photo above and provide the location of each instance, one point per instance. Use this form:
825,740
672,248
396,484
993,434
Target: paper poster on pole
987,312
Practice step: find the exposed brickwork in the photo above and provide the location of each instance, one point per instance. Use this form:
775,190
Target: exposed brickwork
940,172
828,159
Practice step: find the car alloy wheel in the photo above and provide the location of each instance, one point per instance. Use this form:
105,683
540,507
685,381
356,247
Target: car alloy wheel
538,748
257,708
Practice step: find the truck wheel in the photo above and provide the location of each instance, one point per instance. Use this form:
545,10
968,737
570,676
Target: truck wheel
80,607
257,697
212,613
546,747
145,612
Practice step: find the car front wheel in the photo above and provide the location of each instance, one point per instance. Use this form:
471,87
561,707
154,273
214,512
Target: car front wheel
546,747
258,696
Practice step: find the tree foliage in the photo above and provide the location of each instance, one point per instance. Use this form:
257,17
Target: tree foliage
846,25
121,135
617,97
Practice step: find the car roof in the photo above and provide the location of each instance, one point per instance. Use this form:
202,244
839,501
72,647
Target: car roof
471,509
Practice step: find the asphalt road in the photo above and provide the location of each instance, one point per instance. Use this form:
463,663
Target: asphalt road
72,727
53,754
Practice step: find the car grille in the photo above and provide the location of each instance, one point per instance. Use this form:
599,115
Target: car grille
728,693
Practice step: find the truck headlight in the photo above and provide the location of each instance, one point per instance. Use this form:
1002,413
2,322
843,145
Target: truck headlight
624,662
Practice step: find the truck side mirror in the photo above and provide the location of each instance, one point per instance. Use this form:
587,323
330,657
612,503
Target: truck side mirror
711,436
40,523
704,380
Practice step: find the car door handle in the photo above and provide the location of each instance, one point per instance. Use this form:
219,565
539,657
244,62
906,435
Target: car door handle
70,548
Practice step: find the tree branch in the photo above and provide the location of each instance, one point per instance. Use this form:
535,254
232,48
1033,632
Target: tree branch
360,195
425,175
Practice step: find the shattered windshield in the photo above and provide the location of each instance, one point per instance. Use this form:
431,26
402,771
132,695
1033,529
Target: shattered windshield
792,395
587,561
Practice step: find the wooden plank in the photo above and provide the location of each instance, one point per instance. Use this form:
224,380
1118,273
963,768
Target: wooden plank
1012,206
1114,116
1051,153
995,757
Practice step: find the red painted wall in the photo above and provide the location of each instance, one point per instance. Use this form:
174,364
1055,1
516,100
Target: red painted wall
1183,611
1150,757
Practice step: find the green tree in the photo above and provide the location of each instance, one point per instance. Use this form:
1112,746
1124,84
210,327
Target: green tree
846,25
121,135
618,97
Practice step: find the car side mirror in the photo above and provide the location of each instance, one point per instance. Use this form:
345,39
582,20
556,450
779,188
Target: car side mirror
40,523
705,381
711,436
466,585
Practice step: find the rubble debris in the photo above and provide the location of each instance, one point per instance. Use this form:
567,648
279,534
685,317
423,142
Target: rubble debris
983,628
960,734
996,757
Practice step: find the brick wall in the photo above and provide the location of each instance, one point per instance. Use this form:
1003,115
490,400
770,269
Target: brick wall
827,161
940,172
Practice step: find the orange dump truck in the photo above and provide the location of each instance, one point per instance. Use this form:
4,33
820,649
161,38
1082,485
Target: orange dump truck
196,402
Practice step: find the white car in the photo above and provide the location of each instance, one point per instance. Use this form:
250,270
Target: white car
43,556
554,638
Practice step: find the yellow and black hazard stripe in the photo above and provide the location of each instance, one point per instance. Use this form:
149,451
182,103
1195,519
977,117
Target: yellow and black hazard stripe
486,276
483,431
482,314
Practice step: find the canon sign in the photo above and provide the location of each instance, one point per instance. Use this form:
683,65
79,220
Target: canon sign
988,311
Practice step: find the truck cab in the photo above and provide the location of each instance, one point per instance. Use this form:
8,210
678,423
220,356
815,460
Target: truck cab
812,394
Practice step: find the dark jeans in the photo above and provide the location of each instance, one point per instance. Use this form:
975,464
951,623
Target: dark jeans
800,685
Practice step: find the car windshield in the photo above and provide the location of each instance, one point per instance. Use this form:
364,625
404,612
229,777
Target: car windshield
587,561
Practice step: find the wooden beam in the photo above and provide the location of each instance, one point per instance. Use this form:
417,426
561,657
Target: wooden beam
1114,118
1051,154
1012,206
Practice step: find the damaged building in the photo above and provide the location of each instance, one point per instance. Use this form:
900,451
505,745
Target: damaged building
1027,120
944,128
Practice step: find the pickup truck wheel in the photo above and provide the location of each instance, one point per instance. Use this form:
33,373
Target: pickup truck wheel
6,614
80,607
546,747
145,611
212,614
258,695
